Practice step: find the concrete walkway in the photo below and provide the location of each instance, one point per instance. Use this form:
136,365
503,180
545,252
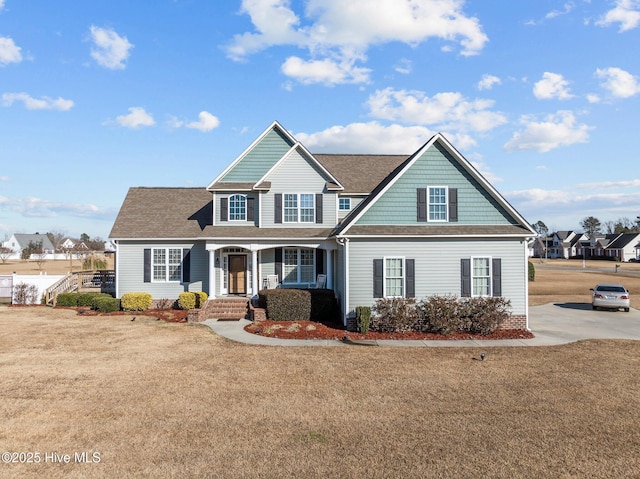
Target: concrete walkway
551,324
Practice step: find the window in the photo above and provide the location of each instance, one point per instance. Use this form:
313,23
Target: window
344,204
393,277
437,203
166,264
298,265
237,208
299,208
481,277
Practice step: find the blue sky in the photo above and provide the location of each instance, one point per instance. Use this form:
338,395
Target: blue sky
95,97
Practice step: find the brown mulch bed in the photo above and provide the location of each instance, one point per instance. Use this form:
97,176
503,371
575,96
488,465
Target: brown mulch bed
168,315
313,330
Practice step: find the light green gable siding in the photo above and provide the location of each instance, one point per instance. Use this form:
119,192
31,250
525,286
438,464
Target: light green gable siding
436,167
259,159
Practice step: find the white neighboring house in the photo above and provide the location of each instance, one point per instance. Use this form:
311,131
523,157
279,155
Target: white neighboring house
19,242
67,244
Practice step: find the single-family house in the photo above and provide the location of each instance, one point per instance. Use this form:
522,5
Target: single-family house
19,241
369,226
564,244
623,247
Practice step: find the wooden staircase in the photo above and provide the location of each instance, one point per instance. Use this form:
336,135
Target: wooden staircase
226,309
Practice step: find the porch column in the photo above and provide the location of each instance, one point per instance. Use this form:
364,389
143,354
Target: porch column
212,274
329,269
254,272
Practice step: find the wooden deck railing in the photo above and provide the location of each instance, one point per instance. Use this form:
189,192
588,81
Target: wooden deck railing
82,282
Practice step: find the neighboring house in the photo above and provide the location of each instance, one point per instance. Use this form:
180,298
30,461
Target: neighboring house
19,242
375,225
623,246
67,244
565,244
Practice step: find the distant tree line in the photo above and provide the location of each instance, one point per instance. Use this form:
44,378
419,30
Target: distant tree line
592,226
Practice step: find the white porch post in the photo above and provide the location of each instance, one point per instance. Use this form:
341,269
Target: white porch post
329,269
212,274
254,272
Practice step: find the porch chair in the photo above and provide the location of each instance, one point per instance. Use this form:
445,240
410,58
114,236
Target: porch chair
272,281
321,281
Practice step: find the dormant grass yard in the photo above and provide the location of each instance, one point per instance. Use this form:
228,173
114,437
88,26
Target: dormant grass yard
158,399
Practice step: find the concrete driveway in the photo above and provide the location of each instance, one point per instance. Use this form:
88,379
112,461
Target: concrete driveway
559,323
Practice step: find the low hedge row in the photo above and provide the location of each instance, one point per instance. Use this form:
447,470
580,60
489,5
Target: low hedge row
440,314
105,303
284,304
192,300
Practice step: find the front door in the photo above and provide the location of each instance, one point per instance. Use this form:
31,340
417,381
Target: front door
237,274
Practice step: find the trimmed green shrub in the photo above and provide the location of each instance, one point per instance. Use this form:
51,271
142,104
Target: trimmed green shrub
363,318
136,301
86,299
67,299
395,315
286,304
532,272
106,304
201,298
187,300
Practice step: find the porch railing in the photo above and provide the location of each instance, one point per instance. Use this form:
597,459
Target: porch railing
82,282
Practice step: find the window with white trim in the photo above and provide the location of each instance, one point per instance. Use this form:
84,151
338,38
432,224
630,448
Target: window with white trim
344,204
237,208
393,277
437,203
167,264
299,208
298,265
481,276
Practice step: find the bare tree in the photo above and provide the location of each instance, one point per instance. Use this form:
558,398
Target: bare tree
56,238
5,253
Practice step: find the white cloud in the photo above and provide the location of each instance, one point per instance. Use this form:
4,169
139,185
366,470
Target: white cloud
9,51
552,85
444,111
556,130
343,33
568,7
30,103
111,50
620,83
31,207
488,81
4,178
1,4
206,122
593,98
626,12
136,118
404,66
325,71
635,183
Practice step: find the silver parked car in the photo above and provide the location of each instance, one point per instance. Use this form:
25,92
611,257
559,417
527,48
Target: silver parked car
613,296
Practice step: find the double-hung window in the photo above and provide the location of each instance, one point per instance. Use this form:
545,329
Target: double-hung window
298,265
437,203
393,277
299,208
481,276
166,264
237,208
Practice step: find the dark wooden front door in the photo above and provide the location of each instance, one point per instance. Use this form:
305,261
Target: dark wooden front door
237,274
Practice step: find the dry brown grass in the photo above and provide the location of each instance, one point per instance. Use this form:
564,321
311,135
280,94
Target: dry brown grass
49,266
175,400
572,283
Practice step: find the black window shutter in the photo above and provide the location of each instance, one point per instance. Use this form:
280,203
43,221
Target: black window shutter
224,209
422,204
251,205
186,265
377,278
277,208
453,205
278,265
147,265
496,267
410,277
319,261
465,275
319,208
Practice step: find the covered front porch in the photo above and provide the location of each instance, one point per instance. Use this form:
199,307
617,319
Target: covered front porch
242,269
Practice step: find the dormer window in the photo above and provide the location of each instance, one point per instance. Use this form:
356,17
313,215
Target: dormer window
237,208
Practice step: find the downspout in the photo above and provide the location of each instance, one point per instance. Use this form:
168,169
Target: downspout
342,241
526,282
